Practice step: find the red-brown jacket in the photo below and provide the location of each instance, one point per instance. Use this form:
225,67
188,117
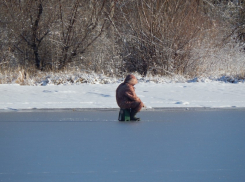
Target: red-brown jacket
125,93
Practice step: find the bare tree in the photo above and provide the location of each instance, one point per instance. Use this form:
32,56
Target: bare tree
30,24
159,34
82,22
62,29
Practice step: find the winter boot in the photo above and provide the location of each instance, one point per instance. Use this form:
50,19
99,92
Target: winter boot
132,116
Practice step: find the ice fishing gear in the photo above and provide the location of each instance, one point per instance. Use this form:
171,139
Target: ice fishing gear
124,115
127,115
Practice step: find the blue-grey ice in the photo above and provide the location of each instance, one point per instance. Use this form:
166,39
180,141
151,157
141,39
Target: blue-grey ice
92,146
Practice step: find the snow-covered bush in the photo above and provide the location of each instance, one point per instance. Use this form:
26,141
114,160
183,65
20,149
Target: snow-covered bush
97,42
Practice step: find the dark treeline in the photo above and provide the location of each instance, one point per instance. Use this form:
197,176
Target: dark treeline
114,37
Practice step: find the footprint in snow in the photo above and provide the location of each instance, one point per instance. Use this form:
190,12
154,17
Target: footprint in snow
103,95
49,91
181,102
12,109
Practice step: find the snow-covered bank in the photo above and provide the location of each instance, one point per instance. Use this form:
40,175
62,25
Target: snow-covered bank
76,78
198,94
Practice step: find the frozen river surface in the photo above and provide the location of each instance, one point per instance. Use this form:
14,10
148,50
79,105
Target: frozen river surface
92,146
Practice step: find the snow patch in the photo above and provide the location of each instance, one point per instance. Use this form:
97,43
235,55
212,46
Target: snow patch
195,94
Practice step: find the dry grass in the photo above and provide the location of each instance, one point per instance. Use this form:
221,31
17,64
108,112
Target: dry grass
38,78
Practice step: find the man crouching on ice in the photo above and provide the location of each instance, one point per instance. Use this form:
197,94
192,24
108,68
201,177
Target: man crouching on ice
127,98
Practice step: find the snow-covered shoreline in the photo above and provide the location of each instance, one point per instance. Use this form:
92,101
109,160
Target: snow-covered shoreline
168,95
